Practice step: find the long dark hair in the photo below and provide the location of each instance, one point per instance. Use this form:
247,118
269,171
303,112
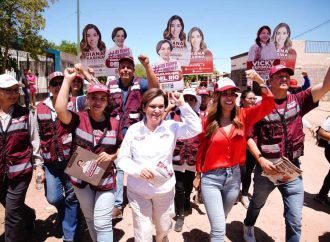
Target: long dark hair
84,47
258,33
167,32
214,116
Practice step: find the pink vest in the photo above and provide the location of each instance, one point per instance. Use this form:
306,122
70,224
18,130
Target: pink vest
55,140
185,149
109,144
16,149
130,112
271,136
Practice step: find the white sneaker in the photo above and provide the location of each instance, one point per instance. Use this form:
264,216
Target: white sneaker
249,234
245,201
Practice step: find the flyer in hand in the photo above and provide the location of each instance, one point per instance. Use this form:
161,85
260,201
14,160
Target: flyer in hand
83,166
161,173
288,172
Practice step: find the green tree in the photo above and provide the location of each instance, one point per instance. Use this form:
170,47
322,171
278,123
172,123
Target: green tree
140,71
20,23
67,47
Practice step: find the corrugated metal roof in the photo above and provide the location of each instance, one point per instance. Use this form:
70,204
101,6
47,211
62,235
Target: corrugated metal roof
317,46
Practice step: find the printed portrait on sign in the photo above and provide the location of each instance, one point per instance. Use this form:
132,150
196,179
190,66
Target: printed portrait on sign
92,50
201,58
174,32
119,50
283,44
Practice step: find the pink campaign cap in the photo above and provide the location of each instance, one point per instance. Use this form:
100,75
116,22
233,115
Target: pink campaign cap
224,84
98,88
51,76
278,68
203,91
127,58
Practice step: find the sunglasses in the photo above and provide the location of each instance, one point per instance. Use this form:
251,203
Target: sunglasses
10,90
55,84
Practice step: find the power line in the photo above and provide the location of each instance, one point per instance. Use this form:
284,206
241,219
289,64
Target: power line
307,31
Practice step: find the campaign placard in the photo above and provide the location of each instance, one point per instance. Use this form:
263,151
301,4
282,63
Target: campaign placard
92,50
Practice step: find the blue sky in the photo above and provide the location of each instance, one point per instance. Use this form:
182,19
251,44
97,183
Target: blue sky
229,26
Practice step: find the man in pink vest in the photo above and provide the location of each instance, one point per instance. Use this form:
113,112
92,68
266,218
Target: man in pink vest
19,145
124,104
281,134
56,145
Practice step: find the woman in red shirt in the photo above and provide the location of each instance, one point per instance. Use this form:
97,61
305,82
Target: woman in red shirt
222,149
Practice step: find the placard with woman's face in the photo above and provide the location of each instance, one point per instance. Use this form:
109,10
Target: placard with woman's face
174,32
167,70
92,50
119,50
201,58
283,44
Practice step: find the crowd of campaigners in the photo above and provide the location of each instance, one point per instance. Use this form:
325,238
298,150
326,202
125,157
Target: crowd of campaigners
166,143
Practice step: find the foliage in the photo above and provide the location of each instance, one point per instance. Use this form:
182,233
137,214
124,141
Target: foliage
140,71
65,46
20,24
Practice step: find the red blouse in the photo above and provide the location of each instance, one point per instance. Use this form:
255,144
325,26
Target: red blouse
222,150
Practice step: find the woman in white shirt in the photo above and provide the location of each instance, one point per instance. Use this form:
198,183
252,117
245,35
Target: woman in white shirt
146,156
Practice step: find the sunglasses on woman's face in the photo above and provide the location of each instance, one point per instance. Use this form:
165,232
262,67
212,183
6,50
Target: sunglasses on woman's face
55,84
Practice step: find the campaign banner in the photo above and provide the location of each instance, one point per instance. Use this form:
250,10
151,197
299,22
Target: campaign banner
119,50
200,63
283,44
92,50
169,75
174,32
262,55
262,67
201,58
112,59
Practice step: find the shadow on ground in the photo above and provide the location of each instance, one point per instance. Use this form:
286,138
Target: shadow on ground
234,232
311,203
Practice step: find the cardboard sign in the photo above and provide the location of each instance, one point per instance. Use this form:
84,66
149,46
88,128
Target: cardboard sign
83,166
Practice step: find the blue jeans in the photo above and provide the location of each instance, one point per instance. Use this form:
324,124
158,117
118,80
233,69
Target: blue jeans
220,189
26,91
293,198
97,208
119,197
59,193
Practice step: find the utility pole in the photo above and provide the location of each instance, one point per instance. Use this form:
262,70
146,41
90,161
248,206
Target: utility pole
78,26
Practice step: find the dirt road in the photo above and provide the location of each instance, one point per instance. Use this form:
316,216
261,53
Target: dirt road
270,224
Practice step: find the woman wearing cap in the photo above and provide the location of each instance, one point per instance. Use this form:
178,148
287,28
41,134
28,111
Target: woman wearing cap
263,49
146,156
222,149
56,145
184,162
94,131
19,145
